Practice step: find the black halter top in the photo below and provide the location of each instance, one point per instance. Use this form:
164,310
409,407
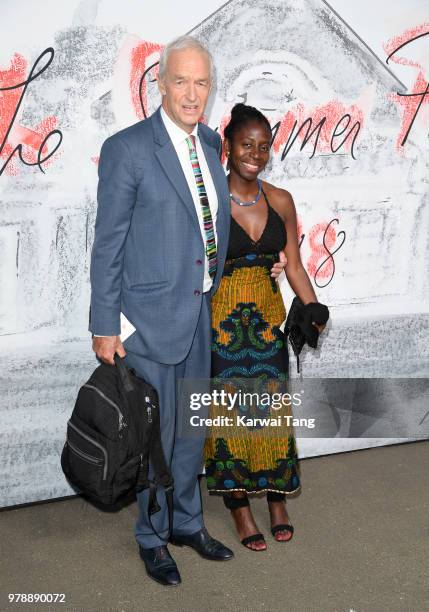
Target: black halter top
272,240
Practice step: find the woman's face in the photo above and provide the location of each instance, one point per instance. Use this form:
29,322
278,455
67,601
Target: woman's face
249,150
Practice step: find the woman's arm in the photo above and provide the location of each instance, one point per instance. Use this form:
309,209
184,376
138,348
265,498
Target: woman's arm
294,270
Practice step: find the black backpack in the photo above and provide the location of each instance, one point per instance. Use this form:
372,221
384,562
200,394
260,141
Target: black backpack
113,432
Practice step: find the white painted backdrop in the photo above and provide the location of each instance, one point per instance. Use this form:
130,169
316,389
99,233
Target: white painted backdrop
294,59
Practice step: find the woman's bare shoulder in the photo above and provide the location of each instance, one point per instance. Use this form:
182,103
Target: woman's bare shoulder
280,199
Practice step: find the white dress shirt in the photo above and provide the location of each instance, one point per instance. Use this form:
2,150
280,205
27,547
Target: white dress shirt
178,138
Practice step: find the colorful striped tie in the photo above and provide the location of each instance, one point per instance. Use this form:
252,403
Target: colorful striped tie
205,207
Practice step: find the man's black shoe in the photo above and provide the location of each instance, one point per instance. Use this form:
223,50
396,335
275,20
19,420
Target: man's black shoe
204,544
160,565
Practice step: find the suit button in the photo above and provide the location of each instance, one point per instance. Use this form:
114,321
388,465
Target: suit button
196,292
199,262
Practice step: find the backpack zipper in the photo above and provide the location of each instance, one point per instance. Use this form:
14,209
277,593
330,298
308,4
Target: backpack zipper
84,455
148,409
97,444
122,421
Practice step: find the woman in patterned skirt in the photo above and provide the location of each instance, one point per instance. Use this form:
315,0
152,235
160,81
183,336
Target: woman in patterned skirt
247,311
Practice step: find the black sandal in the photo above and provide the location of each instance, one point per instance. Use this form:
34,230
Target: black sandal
282,527
256,537
272,496
232,503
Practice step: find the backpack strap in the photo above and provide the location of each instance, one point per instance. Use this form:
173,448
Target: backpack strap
156,456
143,474
162,476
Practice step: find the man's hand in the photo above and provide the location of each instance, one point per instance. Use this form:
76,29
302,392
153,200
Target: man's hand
105,348
278,267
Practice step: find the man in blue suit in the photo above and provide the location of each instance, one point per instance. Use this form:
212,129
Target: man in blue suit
160,244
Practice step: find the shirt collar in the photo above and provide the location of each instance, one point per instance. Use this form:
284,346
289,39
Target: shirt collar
177,135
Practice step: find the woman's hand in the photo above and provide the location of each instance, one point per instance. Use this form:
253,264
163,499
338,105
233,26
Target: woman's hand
320,328
313,315
278,267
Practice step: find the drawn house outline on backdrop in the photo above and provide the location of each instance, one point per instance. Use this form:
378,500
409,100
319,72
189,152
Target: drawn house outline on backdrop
395,222
53,218
275,21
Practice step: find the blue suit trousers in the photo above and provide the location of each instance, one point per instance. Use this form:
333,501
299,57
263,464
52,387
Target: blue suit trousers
183,454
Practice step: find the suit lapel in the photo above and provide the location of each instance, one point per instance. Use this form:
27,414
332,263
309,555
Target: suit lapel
173,170
223,211
170,163
217,173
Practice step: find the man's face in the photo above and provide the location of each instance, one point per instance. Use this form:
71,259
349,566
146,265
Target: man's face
185,87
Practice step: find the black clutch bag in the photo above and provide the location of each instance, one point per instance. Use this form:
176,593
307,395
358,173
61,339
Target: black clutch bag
299,327
293,330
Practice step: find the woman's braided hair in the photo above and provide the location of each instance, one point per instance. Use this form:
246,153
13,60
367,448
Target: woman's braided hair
242,114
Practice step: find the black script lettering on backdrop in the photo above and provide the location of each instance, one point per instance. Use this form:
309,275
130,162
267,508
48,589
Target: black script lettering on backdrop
141,86
330,257
308,123
317,251
31,77
422,94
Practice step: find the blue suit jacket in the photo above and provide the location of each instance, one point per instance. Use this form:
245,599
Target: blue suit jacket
147,251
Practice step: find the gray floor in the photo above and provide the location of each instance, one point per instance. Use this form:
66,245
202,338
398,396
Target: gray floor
361,545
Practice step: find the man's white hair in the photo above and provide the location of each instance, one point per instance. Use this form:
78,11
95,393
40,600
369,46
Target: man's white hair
183,42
